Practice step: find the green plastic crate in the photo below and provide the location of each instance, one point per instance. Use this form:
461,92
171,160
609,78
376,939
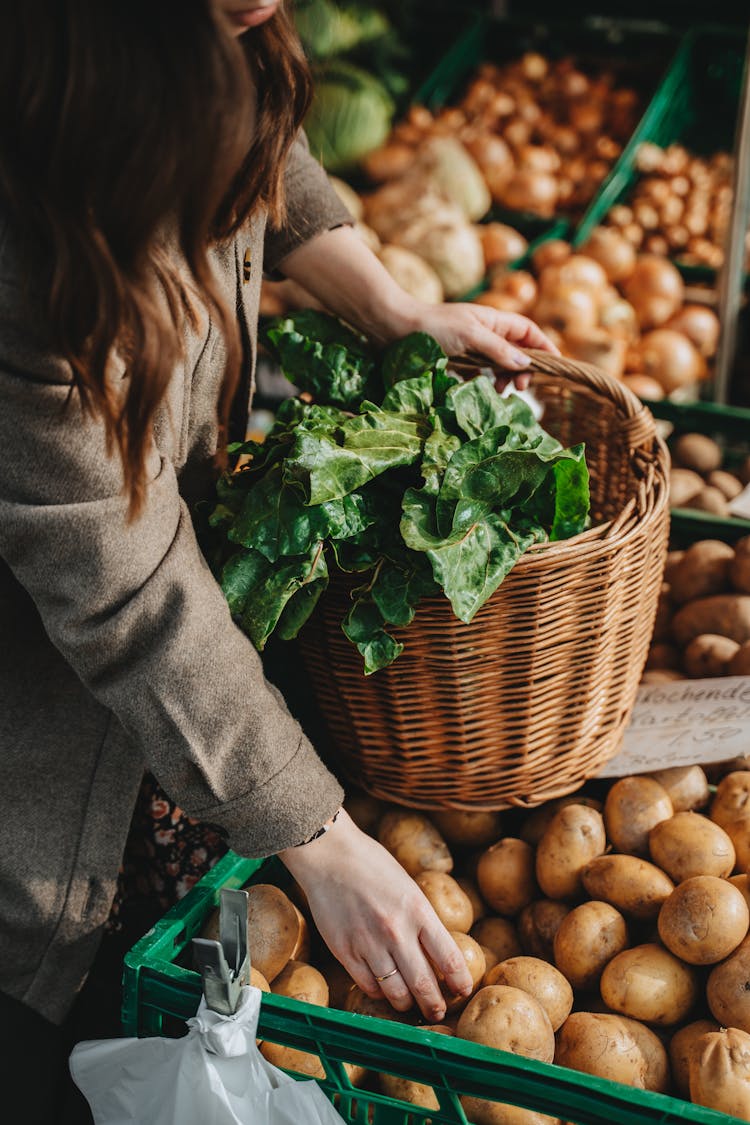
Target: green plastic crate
730,427
158,992
640,52
696,105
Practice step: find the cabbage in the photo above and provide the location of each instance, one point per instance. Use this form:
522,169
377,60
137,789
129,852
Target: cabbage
327,29
350,115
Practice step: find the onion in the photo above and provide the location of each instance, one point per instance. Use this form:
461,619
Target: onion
550,253
654,289
586,117
501,243
700,325
649,157
565,139
614,253
677,236
567,309
388,162
577,270
598,347
494,158
495,300
671,210
671,359
620,215
538,158
619,318
656,244
646,214
644,386
519,285
634,234
530,191
534,66
517,132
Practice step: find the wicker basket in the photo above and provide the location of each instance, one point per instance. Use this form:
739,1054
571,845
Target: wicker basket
533,696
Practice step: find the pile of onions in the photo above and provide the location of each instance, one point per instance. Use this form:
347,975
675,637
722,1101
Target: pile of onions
544,133
680,206
604,304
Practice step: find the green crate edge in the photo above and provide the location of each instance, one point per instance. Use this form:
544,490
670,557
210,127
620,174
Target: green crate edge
150,978
622,173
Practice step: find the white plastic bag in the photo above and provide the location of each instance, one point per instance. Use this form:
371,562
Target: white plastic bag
214,1076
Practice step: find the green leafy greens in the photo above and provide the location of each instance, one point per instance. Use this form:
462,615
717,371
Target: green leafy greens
399,472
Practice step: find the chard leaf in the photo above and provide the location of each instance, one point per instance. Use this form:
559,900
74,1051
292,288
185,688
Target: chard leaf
322,356
275,520
562,503
412,356
257,591
397,591
438,450
410,396
328,466
364,626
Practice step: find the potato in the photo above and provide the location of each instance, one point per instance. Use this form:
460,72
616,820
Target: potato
681,1048
449,902
632,885
720,1072
541,980
711,500
481,1112
414,841
301,951
674,558
338,980
727,989
634,805
728,484
662,630
505,875
709,655
743,886
587,940
658,1075
538,821
475,963
257,980
689,844
289,1058
573,838
697,452
468,829
302,982
703,570
725,614
687,787
509,1019
739,568
361,1004
704,920
730,809
273,928
537,925
499,935
662,655
684,484
739,665
604,1045
661,676
649,983
416,1093
470,889
490,959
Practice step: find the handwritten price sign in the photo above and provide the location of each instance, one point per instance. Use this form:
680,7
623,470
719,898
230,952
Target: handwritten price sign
687,721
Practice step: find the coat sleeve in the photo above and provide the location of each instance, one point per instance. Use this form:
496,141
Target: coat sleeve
312,206
136,612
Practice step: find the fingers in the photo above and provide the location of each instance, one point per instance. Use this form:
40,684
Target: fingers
446,957
530,335
498,349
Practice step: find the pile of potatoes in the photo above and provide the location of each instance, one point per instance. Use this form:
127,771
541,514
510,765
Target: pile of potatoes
702,624
607,934
698,478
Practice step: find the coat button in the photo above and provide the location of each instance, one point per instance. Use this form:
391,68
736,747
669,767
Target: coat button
247,261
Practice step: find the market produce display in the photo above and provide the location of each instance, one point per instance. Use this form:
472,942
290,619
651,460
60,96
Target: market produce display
398,473
703,621
608,935
701,479
680,205
543,132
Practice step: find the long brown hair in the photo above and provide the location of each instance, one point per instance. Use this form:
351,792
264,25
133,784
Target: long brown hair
121,124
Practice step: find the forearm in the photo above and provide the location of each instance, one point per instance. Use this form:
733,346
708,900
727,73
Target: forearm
347,278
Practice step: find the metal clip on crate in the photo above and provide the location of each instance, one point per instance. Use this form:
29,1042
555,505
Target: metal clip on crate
225,964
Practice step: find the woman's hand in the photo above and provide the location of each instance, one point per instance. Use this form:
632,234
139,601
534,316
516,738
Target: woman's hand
349,280
374,918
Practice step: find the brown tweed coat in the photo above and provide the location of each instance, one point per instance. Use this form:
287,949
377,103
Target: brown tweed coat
117,651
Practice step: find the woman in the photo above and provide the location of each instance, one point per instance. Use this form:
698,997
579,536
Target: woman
150,169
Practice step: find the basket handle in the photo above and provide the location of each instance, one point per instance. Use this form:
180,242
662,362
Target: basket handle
638,421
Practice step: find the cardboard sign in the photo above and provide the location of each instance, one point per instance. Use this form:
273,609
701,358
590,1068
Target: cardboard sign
684,722
740,506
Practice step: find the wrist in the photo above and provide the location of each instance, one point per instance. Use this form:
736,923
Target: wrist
316,853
